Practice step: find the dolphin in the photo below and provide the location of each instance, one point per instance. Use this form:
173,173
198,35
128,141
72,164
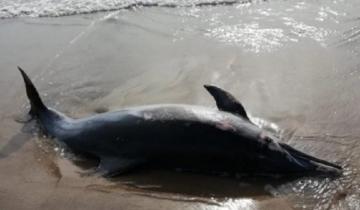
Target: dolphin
176,136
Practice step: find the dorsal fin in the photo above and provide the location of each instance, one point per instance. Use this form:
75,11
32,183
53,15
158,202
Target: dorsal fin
226,102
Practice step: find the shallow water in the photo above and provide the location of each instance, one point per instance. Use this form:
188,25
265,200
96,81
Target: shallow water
292,63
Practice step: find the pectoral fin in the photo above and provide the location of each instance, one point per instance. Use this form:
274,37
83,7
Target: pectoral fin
226,102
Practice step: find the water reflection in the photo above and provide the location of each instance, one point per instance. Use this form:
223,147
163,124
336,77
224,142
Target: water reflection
250,36
233,204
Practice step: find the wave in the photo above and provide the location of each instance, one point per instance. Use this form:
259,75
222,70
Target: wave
58,8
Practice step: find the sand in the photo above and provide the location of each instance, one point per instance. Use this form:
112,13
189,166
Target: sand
105,61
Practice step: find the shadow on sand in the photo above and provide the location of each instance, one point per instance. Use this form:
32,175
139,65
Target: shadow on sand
19,140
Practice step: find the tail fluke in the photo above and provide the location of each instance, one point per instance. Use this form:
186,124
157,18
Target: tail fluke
35,101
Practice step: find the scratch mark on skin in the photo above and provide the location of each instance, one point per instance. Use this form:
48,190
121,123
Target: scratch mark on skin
224,125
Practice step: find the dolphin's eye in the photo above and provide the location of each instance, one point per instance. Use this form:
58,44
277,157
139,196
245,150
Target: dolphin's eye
267,139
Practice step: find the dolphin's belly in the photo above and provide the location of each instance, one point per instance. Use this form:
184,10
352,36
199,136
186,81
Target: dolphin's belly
181,144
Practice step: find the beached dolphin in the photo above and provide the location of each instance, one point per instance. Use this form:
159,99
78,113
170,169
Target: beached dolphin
177,136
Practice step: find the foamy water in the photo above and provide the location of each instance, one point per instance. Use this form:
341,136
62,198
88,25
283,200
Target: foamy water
256,26
55,8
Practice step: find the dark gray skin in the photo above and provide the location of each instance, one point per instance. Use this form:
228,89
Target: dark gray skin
227,102
190,137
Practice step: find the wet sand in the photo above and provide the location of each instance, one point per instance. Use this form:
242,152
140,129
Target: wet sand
105,61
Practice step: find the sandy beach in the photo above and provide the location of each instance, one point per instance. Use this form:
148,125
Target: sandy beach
300,82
